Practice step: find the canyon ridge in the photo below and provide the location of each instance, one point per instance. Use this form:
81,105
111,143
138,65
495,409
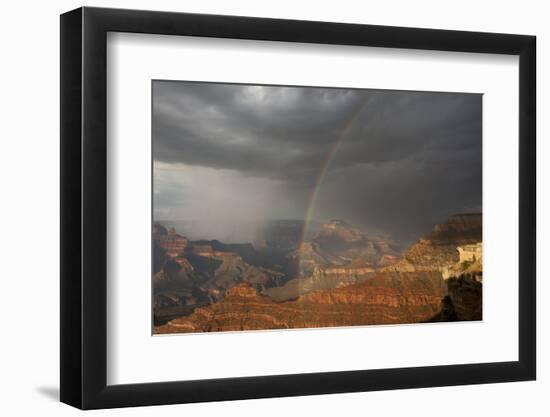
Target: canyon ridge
335,276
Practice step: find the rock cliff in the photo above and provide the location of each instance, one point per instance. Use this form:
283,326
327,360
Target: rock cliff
345,242
321,278
199,273
438,250
385,299
340,277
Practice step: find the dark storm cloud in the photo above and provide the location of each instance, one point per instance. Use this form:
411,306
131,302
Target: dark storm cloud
265,131
277,131
406,159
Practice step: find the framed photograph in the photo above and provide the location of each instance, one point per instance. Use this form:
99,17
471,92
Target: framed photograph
258,208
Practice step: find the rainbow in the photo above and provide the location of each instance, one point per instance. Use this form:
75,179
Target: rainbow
325,167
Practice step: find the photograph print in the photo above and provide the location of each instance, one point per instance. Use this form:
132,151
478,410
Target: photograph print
292,207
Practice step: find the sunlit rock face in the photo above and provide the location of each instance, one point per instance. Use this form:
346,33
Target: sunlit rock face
454,249
470,253
438,250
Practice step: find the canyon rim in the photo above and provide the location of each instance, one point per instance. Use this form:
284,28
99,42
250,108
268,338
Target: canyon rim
288,207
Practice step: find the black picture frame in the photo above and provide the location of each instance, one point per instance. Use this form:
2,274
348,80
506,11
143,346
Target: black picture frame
84,207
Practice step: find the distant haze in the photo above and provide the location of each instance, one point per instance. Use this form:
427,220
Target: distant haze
393,162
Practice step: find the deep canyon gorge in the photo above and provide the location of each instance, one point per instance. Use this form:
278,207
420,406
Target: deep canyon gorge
335,276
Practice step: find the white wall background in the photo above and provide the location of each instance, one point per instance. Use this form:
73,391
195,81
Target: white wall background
29,175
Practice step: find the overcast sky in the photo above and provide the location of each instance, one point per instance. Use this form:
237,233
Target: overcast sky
405,160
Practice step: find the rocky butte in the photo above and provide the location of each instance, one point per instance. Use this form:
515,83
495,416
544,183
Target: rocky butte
353,280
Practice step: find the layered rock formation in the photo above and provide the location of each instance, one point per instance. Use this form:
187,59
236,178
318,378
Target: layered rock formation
337,255
308,256
453,249
340,277
172,243
342,240
199,273
465,284
321,278
232,270
438,249
384,299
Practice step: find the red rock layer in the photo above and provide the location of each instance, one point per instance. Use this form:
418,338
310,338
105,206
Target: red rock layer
173,243
388,298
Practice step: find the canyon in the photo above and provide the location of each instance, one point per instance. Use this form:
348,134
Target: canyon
337,277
